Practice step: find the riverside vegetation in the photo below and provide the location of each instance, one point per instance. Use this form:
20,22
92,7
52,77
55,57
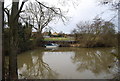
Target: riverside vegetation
99,33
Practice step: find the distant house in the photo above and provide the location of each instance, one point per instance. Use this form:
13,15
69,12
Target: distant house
55,33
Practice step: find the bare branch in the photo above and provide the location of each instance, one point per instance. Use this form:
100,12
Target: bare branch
43,14
54,10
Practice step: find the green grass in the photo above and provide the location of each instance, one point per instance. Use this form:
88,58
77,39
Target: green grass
58,39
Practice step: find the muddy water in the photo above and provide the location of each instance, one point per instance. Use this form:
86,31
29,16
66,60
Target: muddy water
67,63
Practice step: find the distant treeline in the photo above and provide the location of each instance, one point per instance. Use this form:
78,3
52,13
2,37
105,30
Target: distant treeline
99,33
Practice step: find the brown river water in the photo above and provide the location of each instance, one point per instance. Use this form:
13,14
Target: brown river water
68,63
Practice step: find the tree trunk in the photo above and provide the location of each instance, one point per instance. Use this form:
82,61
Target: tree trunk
1,42
13,74
119,37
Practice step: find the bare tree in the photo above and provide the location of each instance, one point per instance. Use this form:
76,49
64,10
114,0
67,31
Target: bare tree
95,33
42,15
113,3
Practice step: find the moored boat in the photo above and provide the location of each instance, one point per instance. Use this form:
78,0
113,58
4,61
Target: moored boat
51,45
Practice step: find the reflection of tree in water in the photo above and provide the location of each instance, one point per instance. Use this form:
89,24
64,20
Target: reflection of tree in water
95,60
33,67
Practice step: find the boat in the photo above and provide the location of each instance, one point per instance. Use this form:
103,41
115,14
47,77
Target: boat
51,45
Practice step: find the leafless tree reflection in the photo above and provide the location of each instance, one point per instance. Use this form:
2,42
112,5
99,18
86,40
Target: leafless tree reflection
33,67
95,60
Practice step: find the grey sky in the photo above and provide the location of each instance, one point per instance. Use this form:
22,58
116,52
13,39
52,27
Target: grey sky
80,10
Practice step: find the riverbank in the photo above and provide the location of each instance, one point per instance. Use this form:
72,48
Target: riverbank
76,44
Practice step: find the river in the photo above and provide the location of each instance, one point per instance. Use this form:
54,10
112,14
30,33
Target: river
67,63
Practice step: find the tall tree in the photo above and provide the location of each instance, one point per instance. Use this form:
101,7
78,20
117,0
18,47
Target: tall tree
95,34
1,42
13,17
42,15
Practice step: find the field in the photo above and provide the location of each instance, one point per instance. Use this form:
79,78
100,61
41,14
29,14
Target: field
59,39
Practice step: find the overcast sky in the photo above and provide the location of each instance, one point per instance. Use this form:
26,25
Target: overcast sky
79,10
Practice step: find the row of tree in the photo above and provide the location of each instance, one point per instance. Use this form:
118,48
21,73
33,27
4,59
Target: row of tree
95,34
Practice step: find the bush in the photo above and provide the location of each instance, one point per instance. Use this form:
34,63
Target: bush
96,34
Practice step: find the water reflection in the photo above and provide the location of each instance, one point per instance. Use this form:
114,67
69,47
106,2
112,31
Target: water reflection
67,63
95,60
52,49
32,66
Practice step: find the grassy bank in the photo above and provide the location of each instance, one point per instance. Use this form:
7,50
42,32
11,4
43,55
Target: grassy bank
59,39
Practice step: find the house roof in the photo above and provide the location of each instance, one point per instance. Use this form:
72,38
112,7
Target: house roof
55,33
